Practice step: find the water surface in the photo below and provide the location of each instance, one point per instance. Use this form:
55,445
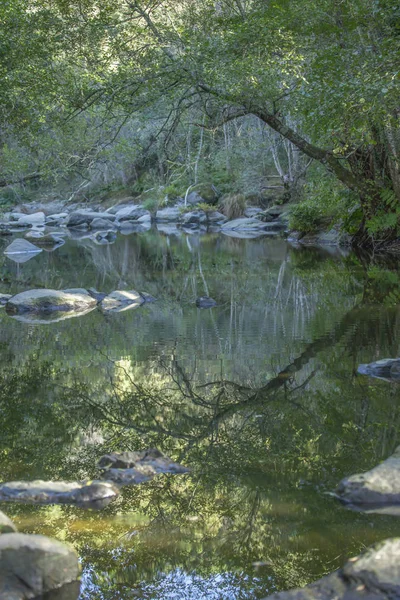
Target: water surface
259,396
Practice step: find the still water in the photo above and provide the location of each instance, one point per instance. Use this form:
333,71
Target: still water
259,397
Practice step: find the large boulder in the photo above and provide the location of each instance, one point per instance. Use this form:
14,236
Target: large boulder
374,575
57,218
379,486
92,494
216,218
171,214
84,218
120,301
33,220
132,213
20,250
31,565
386,368
49,301
195,217
6,525
128,468
245,227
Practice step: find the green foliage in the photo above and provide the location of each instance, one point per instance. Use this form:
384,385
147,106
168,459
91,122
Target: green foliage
306,217
387,214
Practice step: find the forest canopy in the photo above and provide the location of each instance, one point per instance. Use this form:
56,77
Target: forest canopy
171,93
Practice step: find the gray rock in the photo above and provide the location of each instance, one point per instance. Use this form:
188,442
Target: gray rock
92,494
49,241
83,218
132,213
168,229
129,468
20,250
57,218
101,224
4,298
98,296
245,227
252,211
216,217
205,302
49,301
104,237
6,525
31,565
146,218
380,485
374,575
82,291
33,219
194,198
120,301
148,298
169,215
15,216
194,217
387,369
128,227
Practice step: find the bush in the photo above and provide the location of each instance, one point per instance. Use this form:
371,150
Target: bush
233,205
306,217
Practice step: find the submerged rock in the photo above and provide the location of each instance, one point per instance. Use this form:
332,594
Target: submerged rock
387,369
127,468
47,242
31,565
245,228
379,486
205,302
6,525
20,250
91,494
49,301
104,237
120,301
374,575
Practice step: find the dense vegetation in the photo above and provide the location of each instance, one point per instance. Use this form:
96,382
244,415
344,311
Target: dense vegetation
244,94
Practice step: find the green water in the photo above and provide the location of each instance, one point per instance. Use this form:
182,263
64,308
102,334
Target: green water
254,515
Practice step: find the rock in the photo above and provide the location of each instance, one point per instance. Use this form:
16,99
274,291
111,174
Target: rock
104,237
4,298
146,218
82,291
84,218
49,301
272,214
194,217
216,217
168,229
32,220
205,302
15,216
252,211
374,575
120,301
98,296
194,198
204,192
380,485
6,525
128,227
92,494
123,203
132,213
31,565
46,241
244,227
387,369
20,250
126,468
148,298
57,218
168,215
98,223
4,230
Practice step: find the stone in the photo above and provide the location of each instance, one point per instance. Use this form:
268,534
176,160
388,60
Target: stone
92,494
252,211
387,369
194,217
204,192
57,218
146,218
374,575
20,250
31,565
84,218
15,216
148,298
120,301
45,241
194,198
132,213
128,468
82,291
104,237
245,227
380,485
101,224
171,214
33,219
98,296
168,229
216,217
4,298
128,227
205,302
6,525
48,301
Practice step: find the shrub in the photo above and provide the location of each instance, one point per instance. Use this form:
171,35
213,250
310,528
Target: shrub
306,217
233,205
